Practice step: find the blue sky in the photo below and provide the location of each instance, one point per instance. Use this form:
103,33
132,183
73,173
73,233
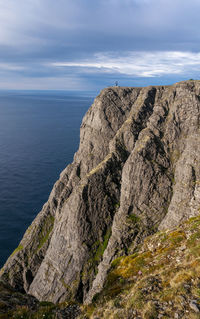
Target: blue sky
89,44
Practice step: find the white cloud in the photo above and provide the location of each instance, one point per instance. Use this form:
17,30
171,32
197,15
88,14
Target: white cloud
34,31
11,67
142,64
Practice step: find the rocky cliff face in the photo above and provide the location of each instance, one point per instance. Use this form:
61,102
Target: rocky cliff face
136,171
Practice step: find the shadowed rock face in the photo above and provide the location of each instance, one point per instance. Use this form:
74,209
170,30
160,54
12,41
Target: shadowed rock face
137,170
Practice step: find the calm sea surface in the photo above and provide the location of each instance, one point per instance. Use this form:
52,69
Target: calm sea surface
39,133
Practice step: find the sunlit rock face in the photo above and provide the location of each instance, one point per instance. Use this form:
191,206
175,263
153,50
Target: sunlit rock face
136,171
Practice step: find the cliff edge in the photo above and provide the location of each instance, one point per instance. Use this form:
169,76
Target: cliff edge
136,171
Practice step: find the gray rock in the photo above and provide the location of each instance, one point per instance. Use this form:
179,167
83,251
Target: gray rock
137,170
194,306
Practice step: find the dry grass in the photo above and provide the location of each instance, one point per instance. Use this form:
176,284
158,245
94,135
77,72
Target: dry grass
162,279
181,277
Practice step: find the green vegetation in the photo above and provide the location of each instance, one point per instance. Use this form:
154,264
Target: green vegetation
160,278
96,253
133,219
15,305
45,311
117,205
176,237
20,247
102,246
45,232
165,272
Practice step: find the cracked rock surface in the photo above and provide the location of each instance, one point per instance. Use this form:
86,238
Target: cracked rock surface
136,171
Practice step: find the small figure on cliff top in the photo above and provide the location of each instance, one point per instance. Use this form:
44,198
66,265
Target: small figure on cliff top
116,83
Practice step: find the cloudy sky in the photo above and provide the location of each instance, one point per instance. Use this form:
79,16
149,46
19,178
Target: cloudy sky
89,44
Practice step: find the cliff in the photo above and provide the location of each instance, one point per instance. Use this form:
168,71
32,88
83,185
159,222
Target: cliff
160,280
136,172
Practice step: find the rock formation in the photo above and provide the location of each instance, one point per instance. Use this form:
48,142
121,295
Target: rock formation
136,171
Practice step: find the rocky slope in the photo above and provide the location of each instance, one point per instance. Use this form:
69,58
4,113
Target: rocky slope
16,305
136,171
160,280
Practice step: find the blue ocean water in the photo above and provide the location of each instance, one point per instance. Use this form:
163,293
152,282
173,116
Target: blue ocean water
39,133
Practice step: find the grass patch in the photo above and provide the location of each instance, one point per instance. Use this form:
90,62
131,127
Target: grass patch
45,232
163,274
45,310
195,251
150,311
137,301
177,237
116,262
194,222
96,254
181,277
102,246
133,219
194,238
19,248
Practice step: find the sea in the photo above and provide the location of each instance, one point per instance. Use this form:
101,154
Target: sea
39,134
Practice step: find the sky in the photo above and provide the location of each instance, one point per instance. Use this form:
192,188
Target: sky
86,45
